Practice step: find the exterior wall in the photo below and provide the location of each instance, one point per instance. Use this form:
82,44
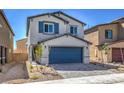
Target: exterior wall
21,46
102,29
121,31
73,22
65,41
117,45
6,38
94,39
34,35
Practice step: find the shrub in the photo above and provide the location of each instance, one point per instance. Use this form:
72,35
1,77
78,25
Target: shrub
31,67
41,67
35,77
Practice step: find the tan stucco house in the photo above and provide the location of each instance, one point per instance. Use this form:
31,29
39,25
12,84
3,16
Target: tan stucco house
21,46
109,34
6,39
61,37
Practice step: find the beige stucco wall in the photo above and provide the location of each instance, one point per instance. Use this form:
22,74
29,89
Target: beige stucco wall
121,31
113,27
6,38
94,39
65,41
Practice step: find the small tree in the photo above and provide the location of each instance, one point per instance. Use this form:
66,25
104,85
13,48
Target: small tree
104,48
38,52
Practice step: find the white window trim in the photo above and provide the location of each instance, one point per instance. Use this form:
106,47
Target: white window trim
48,28
73,29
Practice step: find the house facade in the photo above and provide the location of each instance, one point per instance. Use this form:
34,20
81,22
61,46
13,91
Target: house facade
61,37
21,46
109,34
6,40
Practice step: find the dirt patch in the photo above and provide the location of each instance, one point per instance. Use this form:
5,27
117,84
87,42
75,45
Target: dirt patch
13,71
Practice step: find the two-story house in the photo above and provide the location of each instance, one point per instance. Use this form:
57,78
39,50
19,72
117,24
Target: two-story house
107,37
6,39
61,37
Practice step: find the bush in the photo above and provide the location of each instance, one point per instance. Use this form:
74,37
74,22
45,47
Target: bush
31,67
35,77
41,67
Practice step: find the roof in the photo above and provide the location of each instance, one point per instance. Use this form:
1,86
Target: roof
47,14
22,39
5,18
60,12
90,30
52,14
44,40
118,20
117,41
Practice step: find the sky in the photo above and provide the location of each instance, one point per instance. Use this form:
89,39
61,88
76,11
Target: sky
17,17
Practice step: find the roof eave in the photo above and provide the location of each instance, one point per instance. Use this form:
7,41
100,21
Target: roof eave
3,14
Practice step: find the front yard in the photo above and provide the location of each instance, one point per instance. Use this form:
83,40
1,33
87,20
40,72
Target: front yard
18,73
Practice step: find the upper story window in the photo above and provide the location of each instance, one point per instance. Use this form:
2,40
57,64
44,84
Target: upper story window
49,28
73,30
108,34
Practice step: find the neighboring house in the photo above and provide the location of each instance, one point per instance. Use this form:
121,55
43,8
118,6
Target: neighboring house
6,39
109,34
61,37
21,46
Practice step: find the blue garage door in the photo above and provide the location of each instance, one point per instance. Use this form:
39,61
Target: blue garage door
65,55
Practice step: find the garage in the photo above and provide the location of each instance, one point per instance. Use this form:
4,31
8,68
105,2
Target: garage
59,55
117,54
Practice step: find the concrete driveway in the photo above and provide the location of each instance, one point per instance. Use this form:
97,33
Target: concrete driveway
74,70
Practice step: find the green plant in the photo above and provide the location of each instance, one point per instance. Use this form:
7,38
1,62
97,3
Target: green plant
41,67
35,77
31,67
104,48
38,51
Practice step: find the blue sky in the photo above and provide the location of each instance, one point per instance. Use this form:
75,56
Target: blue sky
17,17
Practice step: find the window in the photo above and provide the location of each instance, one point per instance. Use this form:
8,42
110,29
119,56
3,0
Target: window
49,28
73,30
108,34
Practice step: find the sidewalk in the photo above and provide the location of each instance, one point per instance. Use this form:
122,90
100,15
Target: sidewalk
99,79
